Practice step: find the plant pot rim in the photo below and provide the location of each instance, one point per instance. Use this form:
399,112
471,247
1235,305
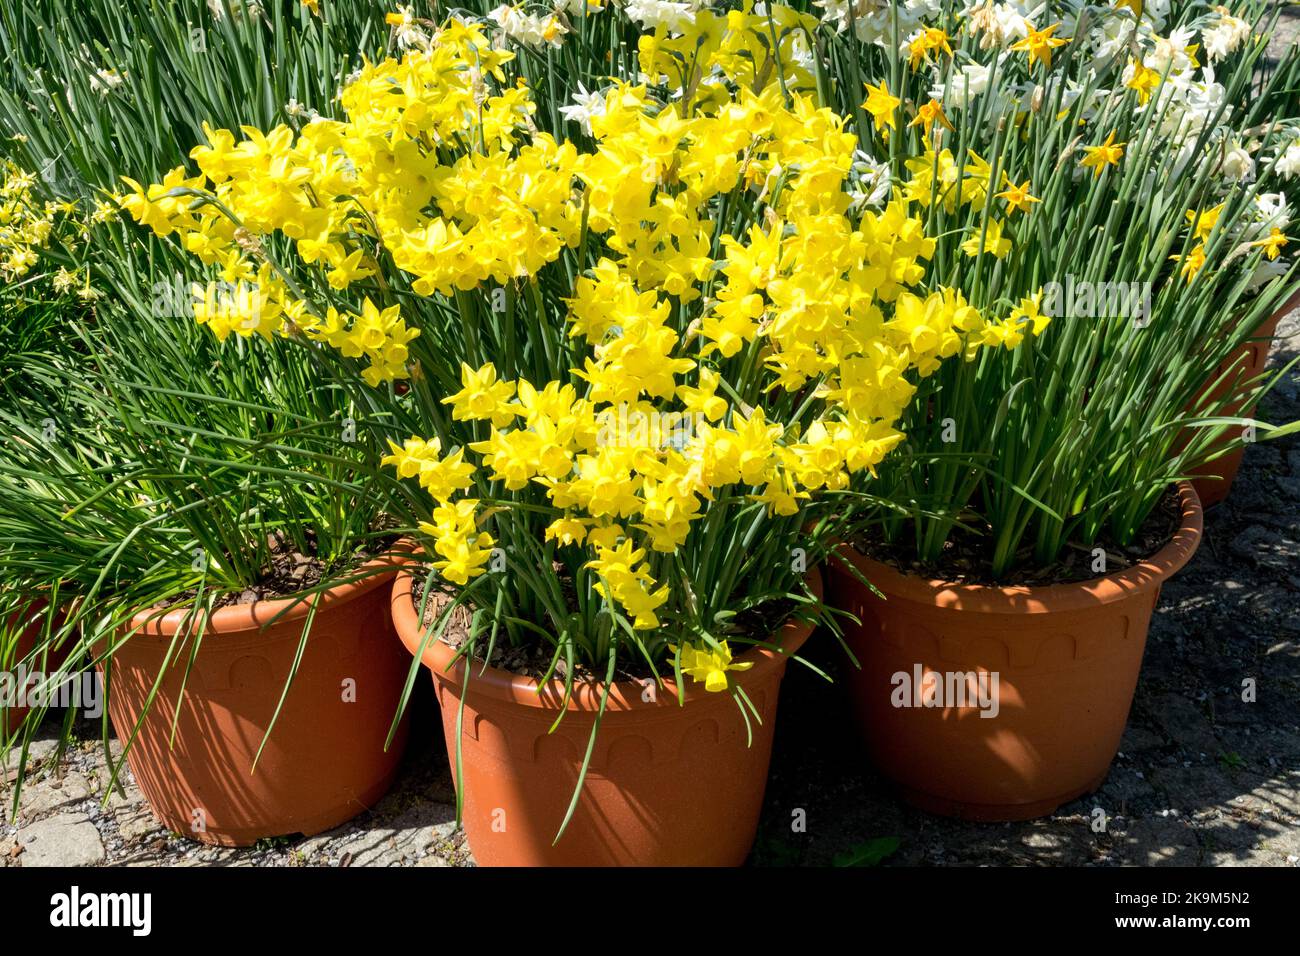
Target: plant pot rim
1049,598
624,695
258,615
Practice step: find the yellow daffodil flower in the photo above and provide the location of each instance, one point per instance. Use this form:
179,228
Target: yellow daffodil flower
1272,244
1017,197
709,666
881,105
1097,158
929,113
1039,44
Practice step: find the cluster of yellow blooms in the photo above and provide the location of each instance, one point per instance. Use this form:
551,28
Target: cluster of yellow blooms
677,318
1201,223
30,225
26,223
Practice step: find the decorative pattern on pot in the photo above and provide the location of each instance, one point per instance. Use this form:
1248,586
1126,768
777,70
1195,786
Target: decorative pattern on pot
325,760
1000,703
668,785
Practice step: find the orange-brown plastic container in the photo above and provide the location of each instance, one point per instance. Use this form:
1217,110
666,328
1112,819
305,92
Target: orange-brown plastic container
325,760
668,785
1066,658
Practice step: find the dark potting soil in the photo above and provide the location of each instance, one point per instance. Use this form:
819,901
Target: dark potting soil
966,557
530,660
291,571
534,659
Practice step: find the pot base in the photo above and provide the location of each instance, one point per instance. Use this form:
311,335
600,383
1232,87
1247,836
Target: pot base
994,812
326,819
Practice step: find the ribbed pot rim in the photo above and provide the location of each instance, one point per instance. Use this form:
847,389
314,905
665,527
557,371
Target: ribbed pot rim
260,614
1041,599
626,695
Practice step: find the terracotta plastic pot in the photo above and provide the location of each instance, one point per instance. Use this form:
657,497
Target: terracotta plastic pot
11,718
1245,364
1058,666
667,785
325,760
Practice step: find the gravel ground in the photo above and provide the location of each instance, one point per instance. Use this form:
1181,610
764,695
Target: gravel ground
1202,778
